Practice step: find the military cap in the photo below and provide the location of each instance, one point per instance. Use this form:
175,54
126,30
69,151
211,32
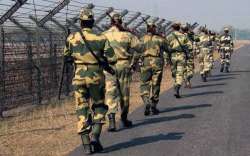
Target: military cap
116,16
86,14
226,29
150,22
176,24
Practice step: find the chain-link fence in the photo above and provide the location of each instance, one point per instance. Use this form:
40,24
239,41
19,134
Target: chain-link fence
32,38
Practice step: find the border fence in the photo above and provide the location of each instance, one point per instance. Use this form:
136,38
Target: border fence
32,38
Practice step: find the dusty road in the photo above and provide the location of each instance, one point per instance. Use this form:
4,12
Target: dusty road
212,119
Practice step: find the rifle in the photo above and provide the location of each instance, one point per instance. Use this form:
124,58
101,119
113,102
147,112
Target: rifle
65,62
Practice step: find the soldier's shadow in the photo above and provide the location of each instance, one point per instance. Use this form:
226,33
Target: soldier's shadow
225,74
150,121
202,93
221,78
144,140
185,107
208,85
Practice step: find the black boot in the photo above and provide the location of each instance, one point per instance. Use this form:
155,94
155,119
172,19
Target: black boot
227,69
86,144
204,77
155,111
112,125
125,122
95,142
222,68
147,110
177,91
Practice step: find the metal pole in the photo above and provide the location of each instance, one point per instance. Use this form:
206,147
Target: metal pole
2,72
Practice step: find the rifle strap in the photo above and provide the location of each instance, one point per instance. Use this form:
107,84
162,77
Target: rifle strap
89,47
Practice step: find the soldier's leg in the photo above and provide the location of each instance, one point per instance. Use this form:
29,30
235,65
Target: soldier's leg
156,86
99,109
84,116
190,72
201,62
227,61
222,61
179,73
112,99
124,79
145,88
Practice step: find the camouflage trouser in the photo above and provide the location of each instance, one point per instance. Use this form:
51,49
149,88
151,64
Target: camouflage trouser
225,57
151,76
177,67
124,78
204,58
89,86
112,96
189,69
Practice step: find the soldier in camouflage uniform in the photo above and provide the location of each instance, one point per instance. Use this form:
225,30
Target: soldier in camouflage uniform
204,56
177,42
89,80
151,71
126,47
189,66
225,48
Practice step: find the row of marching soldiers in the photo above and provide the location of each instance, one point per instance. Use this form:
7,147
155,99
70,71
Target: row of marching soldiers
103,65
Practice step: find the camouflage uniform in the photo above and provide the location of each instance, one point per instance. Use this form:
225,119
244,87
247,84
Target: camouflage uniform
189,66
178,57
89,79
204,56
151,71
125,45
226,49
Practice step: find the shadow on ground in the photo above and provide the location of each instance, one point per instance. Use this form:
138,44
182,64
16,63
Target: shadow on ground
186,107
240,71
221,78
225,74
162,119
144,140
208,85
202,93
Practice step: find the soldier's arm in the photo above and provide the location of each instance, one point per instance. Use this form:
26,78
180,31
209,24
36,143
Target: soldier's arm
137,48
109,52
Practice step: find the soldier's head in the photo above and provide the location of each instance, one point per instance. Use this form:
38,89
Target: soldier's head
226,30
86,18
176,26
204,30
116,19
151,27
184,28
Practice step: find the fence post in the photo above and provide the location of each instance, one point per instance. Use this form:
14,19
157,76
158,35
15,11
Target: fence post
2,72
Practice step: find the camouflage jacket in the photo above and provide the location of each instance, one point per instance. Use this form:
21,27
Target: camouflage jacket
154,45
125,44
226,41
205,40
174,44
76,47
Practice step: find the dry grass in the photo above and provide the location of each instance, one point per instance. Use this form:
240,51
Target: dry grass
50,130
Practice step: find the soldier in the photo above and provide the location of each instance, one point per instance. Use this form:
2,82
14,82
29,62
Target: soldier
189,68
204,55
178,48
89,80
226,48
125,46
151,71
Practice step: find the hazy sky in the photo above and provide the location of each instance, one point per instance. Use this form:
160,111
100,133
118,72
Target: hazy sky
214,13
